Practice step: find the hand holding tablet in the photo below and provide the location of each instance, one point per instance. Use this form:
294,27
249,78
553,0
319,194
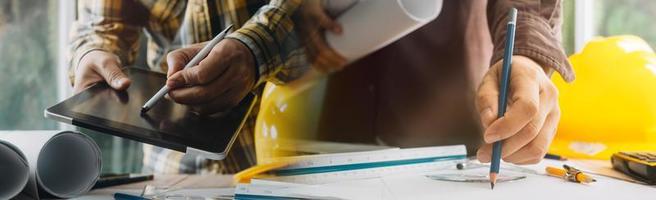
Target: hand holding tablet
168,124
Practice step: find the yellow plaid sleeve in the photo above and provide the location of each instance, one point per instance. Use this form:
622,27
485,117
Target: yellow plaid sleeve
270,36
107,25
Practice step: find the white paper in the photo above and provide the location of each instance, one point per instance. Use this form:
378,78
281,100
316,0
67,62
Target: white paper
372,24
534,186
61,164
537,185
363,189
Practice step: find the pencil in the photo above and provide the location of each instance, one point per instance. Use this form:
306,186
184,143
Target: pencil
503,93
194,61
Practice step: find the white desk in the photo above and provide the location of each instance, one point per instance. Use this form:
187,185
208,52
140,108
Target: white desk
206,185
605,188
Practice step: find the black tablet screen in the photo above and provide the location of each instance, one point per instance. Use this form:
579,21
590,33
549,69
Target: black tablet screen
167,124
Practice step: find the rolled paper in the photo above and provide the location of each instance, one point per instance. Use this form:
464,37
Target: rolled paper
14,170
60,164
372,24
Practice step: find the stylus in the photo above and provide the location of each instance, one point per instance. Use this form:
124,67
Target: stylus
194,61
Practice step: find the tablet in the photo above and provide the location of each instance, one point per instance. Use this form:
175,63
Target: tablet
167,124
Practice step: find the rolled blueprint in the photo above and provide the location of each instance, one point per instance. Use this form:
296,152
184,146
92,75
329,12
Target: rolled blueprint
61,164
13,169
372,24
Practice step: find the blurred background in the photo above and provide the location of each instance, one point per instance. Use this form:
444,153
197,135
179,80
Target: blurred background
33,60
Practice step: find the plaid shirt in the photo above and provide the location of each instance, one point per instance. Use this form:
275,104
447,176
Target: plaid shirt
266,28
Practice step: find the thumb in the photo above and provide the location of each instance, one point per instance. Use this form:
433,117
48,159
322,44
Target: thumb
188,76
111,72
179,58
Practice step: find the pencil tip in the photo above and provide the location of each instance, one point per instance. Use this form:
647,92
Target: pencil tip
493,180
143,111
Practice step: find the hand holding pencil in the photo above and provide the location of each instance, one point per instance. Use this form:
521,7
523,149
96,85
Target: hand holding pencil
527,128
210,77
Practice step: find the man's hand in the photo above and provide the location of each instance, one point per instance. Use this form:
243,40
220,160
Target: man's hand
530,121
314,22
218,82
98,66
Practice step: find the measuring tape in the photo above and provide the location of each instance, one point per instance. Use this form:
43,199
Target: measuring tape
317,169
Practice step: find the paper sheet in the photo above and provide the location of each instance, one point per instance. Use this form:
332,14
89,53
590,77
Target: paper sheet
372,24
537,185
534,186
362,189
61,164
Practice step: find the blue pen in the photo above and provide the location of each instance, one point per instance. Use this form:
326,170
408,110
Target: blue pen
503,93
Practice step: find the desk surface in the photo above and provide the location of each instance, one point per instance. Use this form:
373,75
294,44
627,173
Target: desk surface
209,183
215,185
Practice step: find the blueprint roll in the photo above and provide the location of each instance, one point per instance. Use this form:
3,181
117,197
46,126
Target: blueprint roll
373,24
61,164
14,170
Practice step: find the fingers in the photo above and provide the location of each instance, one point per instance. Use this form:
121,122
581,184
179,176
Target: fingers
113,75
487,98
328,23
522,108
218,82
532,152
530,122
484,153
202,101
97,66
235,77
198,94
210,68
179,58
535,150
328,60
530,131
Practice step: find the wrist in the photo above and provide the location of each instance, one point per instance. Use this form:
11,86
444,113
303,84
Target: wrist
250,61
98,57
548,70
245,56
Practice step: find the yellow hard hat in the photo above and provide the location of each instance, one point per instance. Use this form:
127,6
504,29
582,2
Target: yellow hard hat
287,113
611,106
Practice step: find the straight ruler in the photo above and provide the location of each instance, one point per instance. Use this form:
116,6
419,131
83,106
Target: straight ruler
326,168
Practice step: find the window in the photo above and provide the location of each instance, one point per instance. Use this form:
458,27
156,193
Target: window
635,17
28,53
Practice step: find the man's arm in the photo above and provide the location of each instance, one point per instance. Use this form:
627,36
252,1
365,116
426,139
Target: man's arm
538,32
107,31
533,113
270,36
265,48
286,38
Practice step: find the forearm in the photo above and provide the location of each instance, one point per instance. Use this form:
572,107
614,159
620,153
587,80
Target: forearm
538,33
271,37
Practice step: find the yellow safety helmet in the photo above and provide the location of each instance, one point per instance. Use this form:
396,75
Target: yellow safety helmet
288,113
611,106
